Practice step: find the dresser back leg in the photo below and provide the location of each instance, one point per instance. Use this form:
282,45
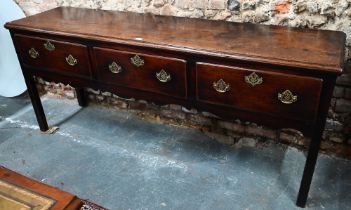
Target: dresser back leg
37,106
81,97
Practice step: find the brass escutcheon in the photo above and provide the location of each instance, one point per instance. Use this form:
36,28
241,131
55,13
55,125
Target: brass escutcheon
137,61
163,76
221,86
33,53
49,46
253,79
287,97
115,68
71,60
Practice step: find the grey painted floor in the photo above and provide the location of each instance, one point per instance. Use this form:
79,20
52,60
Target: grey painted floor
122,162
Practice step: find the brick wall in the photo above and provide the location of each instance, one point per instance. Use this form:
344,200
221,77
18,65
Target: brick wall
323,14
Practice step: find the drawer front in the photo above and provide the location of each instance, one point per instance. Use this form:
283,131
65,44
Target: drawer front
272,93
144,72
51,55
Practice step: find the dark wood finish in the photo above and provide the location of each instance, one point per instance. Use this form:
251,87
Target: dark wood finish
195,53
143,77
270,44
315,142
37,106
262,97
64,200
54,60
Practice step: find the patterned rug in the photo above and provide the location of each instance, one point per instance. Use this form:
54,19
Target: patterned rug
87,205
14,197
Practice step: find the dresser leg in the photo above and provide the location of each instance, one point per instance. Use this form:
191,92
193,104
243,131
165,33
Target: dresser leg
313,150
81,97
37,106
308,171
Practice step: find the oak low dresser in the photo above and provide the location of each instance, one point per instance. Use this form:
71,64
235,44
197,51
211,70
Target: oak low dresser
276,76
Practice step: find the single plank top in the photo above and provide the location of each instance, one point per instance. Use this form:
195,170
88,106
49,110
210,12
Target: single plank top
306,48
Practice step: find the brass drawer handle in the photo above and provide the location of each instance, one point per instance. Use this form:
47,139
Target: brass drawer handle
253,79
71,60
49,46
287,97
163,76
33,53
137,61
115,68
221,86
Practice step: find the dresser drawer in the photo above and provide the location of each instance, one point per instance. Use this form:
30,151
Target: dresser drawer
51,55
143,72
277,94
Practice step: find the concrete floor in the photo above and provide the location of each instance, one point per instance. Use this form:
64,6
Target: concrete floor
122,162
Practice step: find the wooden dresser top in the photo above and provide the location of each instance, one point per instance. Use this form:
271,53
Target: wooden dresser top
305,48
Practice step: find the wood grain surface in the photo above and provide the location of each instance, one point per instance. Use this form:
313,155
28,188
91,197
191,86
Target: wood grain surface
305,48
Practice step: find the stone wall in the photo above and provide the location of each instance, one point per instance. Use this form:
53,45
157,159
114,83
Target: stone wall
322,14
